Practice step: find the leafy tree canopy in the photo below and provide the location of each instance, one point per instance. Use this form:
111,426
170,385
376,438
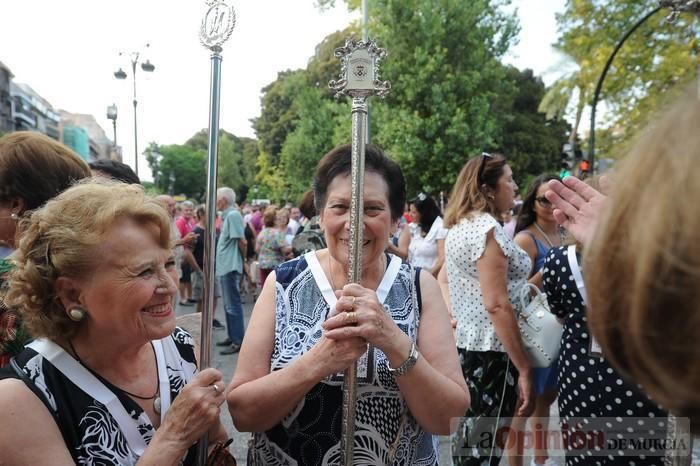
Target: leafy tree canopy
181,169
654,60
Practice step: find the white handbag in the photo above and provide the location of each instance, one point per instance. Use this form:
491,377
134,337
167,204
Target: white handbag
540,330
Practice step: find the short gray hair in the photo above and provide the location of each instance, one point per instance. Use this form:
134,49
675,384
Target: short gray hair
189,204
228,194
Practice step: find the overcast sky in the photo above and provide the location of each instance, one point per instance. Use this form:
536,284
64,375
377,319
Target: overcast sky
68,51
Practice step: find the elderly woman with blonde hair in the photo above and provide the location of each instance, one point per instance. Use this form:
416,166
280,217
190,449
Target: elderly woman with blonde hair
642,258
109,379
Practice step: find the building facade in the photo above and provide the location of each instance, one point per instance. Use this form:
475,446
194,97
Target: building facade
31,112
99,146
6,122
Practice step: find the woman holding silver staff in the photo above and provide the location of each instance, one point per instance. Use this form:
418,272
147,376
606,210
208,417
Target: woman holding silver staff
110,379
309,325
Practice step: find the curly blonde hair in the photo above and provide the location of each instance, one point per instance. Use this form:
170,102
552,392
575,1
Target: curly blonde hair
61,239
642,269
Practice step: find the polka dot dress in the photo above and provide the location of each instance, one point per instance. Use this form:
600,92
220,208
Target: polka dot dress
588,387
464,245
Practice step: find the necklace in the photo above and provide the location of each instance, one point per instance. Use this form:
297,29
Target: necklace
154,397
330,270
546,236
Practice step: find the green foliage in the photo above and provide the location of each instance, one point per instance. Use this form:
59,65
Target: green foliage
654,60
531,143
278,115
182,169
178,169
451,98
446,79
151,189
312,137
237,158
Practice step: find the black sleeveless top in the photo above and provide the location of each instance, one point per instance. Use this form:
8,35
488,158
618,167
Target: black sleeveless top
91,434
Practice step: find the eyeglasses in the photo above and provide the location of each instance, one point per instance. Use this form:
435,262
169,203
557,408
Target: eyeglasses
484,157
544,202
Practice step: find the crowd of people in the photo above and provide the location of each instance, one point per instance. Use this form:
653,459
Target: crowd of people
96,371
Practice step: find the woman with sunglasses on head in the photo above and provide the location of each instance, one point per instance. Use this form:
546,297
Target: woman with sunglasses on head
536,232
423,242
485,270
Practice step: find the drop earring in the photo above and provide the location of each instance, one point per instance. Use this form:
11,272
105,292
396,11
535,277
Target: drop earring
77,314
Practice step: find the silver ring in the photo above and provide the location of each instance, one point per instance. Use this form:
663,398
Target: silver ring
216,388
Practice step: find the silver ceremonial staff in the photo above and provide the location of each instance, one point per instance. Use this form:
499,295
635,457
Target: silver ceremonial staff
359,78
216,28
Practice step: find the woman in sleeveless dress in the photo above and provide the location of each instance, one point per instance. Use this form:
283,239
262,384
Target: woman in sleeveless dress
110,379
309,325
536,232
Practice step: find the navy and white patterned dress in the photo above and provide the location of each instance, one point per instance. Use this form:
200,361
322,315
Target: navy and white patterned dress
589,388
386,432
90,432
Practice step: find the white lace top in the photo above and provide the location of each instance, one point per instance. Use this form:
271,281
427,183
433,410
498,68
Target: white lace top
464,245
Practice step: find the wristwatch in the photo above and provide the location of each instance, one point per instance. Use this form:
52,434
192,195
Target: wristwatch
407,364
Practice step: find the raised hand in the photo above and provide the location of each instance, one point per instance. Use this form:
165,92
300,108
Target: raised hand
577,206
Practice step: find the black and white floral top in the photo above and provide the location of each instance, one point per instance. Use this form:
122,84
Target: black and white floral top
465,244
90,432
386,433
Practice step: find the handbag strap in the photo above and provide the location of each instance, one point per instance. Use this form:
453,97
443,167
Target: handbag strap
88,383
525,295
576,271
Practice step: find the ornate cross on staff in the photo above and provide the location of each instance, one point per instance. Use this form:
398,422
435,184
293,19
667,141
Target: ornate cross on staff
217,26
359,79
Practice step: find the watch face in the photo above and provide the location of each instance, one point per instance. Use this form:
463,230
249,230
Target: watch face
408,363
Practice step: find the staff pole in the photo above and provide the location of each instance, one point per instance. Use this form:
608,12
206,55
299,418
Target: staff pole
359,79
216,28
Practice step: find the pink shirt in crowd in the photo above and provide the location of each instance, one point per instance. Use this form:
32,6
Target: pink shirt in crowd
184,226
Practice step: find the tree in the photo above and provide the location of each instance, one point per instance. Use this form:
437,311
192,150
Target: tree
312,137
446,77
653,61
237,158
531,142
278,115
178,169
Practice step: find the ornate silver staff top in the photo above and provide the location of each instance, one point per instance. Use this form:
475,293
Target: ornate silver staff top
359,79
359,75
217,25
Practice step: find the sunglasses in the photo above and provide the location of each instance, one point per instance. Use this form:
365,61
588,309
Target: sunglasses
544,202
484,157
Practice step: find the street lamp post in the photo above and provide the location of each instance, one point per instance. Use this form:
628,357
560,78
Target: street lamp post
121,74
112,115
676,7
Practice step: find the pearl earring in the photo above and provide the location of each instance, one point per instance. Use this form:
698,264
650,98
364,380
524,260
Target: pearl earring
77,314
14,216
